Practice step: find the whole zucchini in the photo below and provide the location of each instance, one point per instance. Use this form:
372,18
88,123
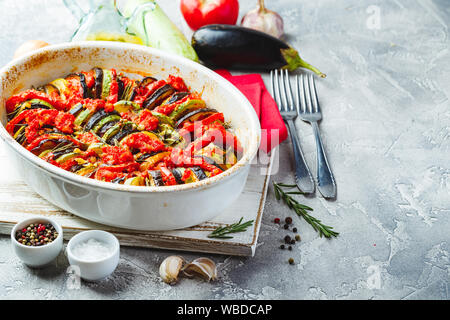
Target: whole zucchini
235,47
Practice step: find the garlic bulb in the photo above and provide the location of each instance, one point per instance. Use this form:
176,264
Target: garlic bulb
264,20
170,268
29,46
203,267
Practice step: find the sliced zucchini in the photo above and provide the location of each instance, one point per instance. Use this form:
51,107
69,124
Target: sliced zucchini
61,85
106,83
157,97
125,106
163,118
169,135
97,147
19,135
83,116
111,132
109,118
135,181
186,107
66,157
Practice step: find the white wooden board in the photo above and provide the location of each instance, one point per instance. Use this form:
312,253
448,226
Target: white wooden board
18,201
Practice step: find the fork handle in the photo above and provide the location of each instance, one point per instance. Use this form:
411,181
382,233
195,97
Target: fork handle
325,179
303,177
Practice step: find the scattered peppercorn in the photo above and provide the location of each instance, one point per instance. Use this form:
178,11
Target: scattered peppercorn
276,220
297,237
294,230
288,220
287,239
290,248
292,241
291,261
286,226
282,247
37,234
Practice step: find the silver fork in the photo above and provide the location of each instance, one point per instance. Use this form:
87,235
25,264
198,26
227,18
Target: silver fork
310,112
282,93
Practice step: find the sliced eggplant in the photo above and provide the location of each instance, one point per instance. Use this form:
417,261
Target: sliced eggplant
125,130
154,179
110,117
144,156
80,76
111,132
146,81
157,97
151,161
40,104
186,107
97,90
215,162
133,91
120,87
99,115
178,174
195,115
199,173
50,143
176,96
119,180
76,109
102,131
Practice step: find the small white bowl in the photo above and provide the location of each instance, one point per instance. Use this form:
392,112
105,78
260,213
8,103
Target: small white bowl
41,255
98,269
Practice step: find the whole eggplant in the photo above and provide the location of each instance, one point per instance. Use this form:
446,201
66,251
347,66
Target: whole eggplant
235,47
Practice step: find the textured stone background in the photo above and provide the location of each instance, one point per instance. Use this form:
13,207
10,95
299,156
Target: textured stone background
386,128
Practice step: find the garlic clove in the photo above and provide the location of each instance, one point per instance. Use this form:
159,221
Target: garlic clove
264,20
170,268
29,46
204,267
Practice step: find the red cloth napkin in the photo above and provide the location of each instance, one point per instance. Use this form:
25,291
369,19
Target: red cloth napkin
273,129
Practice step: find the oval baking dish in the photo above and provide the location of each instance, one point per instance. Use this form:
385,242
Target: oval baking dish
134,207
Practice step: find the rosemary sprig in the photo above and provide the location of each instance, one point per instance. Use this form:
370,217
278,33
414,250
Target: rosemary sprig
301,210
221,232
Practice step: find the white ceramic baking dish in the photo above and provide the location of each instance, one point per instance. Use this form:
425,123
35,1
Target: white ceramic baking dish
142,208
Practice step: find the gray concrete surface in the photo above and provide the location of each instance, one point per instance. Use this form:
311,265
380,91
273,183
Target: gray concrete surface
387,131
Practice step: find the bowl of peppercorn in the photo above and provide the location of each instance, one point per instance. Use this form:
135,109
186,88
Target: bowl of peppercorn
37,241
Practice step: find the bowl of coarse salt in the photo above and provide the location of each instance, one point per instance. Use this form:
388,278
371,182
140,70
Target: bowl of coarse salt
95,253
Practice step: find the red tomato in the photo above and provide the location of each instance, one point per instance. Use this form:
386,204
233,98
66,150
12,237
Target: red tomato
198,13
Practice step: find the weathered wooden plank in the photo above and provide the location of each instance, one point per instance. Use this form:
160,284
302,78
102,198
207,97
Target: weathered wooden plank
18,201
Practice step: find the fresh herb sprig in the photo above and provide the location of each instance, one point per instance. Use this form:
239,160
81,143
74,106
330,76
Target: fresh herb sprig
301,210
221,232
